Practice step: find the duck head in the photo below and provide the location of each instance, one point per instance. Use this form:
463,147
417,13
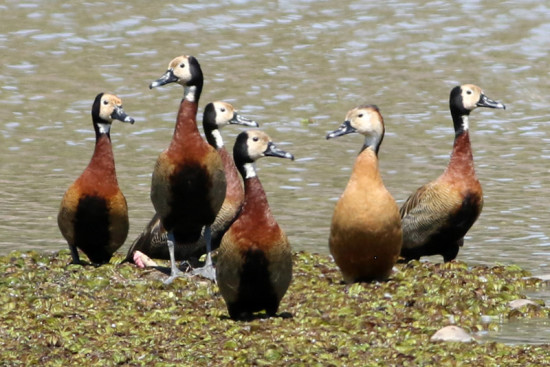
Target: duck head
365,120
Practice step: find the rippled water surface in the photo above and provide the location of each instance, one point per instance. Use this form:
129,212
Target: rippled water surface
296,67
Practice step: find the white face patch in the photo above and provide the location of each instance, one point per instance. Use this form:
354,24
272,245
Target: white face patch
250,170
104,128
189,93
368,122
218,138
465,122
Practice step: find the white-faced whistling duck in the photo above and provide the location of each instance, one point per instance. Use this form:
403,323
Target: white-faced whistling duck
254,263
188,185
365,234
153,240
437,216
93,216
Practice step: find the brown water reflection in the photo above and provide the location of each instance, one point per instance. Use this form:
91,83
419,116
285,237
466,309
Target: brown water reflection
296,67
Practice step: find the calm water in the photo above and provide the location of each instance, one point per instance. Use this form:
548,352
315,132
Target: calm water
296,67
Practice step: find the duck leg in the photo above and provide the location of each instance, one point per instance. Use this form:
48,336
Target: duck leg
452,250
174,271
207,270
74,254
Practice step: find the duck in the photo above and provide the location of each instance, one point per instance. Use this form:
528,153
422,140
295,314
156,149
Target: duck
152,241
254,261
365,232
437,216
93,215
188,184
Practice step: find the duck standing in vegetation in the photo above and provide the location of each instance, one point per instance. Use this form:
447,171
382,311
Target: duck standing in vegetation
439,214
188,185
254,263
365,233
93,216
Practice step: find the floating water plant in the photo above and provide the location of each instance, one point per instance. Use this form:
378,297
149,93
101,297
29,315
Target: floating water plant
58,314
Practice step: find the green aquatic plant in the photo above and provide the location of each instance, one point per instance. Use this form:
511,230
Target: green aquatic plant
58,314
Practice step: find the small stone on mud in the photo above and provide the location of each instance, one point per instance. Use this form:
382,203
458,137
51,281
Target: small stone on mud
518,303
452,333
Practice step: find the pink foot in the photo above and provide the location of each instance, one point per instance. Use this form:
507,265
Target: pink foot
141,260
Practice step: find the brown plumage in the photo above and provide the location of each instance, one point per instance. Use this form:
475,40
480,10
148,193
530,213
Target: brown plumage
437,216
93,216
188,185
365,233
153,240
254,263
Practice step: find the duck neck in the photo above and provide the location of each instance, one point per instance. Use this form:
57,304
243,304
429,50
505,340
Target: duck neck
366,166
103,159
462,160
192,93
247,170
186,124
461,118
234,186
255,199
462,157
372,143
213,137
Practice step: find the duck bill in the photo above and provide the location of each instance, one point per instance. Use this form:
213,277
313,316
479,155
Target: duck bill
273,151
241,120
485,101
120,115
344,129
166,78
